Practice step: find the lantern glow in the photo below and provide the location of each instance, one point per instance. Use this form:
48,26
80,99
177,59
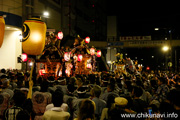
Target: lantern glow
92,51
98,53
89,66
24,57
66,56
34,33
41,72
60,35
80,57
87,39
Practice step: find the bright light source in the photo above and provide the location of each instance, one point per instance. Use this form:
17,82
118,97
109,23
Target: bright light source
109,62
31,64
156,28
46,14
24,57
165,48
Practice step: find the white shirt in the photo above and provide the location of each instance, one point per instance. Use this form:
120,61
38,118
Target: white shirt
64,107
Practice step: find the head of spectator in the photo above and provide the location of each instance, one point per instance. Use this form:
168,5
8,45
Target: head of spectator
79,82
137,92
121,102
128,85
110,100
95,91
112,80
19,98
57,98
86,110
162,80
70,88
72,80
110,87
117,109
81,92
3,71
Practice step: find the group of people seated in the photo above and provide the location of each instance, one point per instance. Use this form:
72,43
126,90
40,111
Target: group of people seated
102,96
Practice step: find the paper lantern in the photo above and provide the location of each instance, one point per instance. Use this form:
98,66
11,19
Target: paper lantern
66,56
92,51
24,57
34,34
87,39
2,29
98,53
89,66
41,72
60,35
80,57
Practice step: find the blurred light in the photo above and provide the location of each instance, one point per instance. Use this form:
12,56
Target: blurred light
41,72
66,56
46,14
31,64
156,28
147,68
60,35
36,36
80,57
98,53
92,51
24,57
87,39
152,56
165,48
89,66
109,62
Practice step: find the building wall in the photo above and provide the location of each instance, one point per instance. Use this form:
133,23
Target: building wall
11,6
10,50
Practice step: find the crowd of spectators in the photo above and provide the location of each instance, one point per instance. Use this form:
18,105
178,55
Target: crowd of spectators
100,96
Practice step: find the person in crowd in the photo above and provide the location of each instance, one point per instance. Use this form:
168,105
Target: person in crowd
110,90
86,110
5,86
100,104
139,105
118,108
19,99
56,112
2,72
146,96
63,106
162,90
4,101
110,101
40,100
76,102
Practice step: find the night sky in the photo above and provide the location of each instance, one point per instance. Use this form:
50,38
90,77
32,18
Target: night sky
140,18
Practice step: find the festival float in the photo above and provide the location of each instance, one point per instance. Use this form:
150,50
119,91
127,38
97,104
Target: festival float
62,61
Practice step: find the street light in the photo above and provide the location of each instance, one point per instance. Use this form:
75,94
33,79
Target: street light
165,48
46,14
